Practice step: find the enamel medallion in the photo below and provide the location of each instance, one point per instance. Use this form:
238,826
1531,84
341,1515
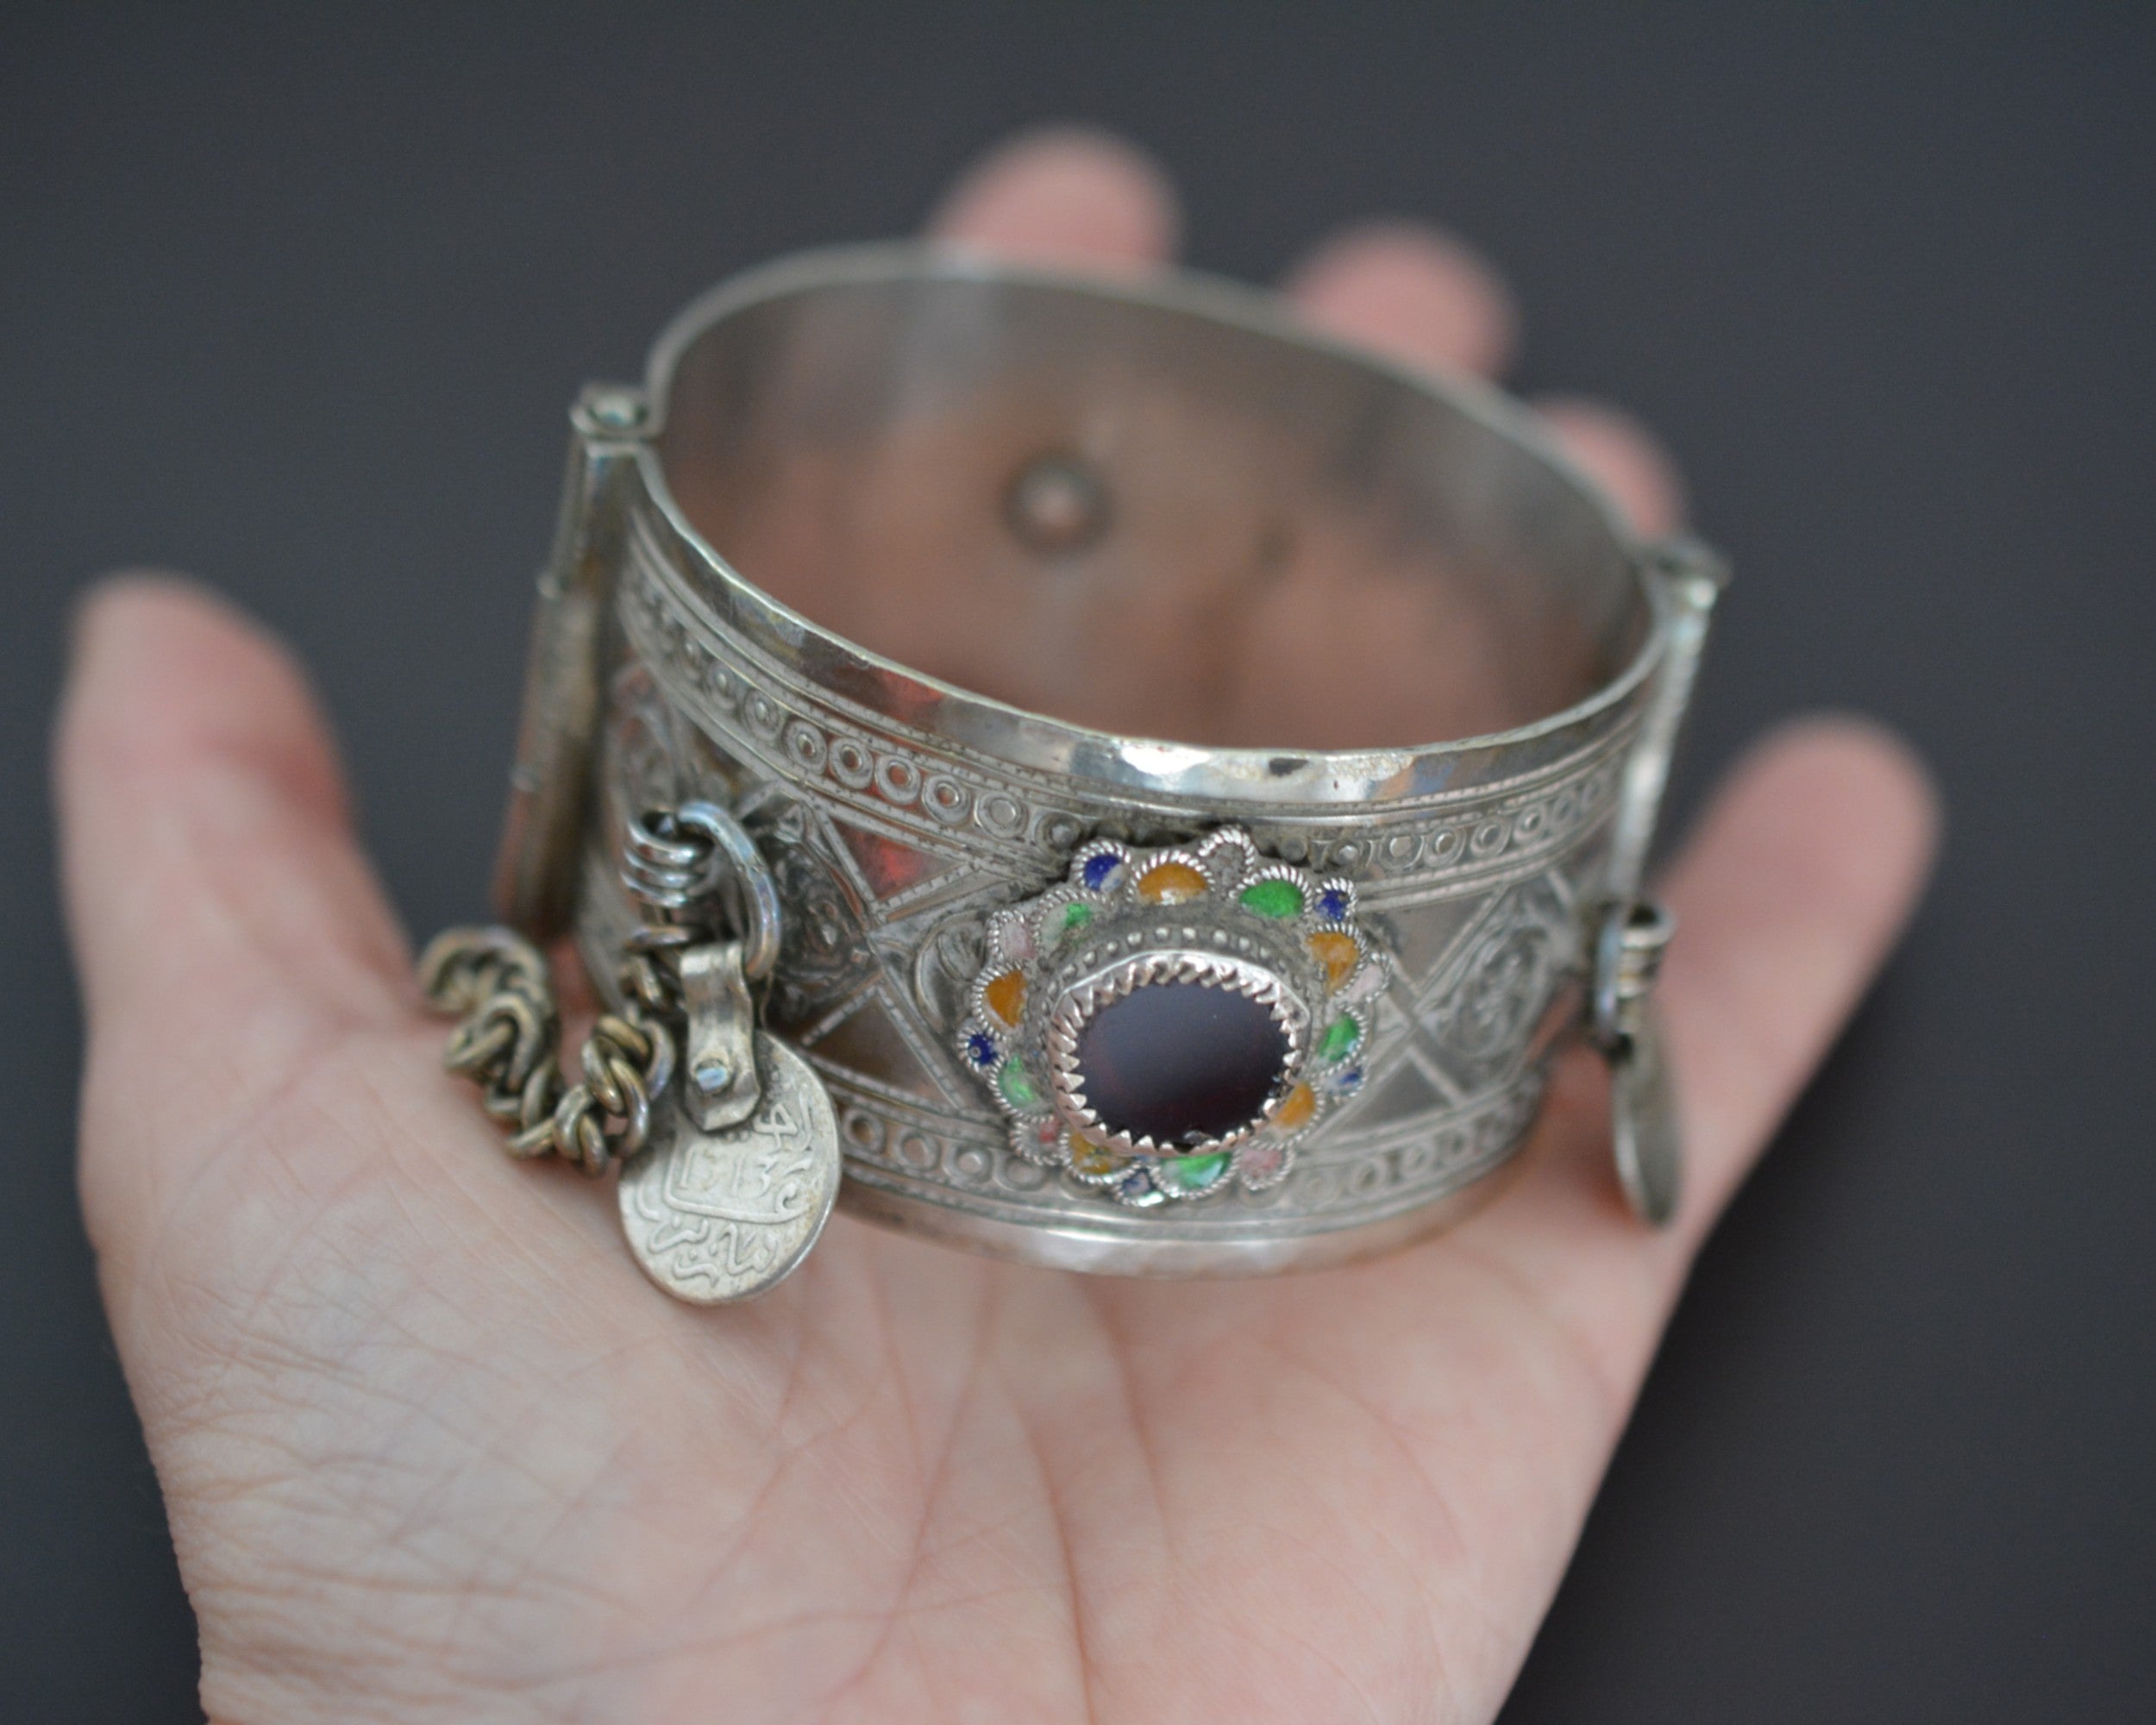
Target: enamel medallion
1167,1023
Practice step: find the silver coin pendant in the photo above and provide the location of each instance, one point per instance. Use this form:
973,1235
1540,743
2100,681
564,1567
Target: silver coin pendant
1645,1134
716,1217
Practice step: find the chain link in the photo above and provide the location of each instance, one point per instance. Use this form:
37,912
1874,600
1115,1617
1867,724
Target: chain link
507,1038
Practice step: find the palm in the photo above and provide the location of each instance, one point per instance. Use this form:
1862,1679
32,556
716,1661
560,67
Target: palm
908,1474
433,1447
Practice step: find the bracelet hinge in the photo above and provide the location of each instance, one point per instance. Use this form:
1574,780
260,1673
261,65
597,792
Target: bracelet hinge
550,785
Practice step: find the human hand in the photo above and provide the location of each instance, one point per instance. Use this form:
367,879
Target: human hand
433,1448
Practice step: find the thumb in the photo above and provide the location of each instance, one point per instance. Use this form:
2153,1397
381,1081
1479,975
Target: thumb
205,837
223,917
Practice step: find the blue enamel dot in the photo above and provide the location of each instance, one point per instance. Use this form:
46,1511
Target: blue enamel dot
981,1048
1099,868
1136,1185
1332,905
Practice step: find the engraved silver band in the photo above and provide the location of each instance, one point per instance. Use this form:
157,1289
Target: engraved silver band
825,436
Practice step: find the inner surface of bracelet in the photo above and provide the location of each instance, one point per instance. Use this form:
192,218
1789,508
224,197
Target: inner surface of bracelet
1141,518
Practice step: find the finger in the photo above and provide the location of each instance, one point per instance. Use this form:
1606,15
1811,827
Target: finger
1795,889
1413,292
212,882
1788,897
1623,457
1064,195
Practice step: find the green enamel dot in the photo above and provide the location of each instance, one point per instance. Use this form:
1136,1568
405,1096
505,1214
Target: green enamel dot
1018,1089
1341,1035
1076,917
1193,1173
1279,900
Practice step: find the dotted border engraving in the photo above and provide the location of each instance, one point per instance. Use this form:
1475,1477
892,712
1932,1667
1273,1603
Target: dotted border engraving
964,804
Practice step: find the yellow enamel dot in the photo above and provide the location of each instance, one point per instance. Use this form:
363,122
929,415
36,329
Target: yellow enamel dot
1171,883
1087,1158
1336,955
1295,1109
1006,996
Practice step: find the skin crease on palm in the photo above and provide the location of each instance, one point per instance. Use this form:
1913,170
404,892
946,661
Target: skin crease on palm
433,1449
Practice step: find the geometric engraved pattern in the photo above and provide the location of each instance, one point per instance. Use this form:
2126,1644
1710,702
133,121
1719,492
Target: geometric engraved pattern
891,849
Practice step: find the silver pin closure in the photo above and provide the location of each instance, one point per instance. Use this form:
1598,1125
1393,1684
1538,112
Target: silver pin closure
1686,580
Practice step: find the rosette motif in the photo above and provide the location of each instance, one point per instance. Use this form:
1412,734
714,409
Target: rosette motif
1167,1023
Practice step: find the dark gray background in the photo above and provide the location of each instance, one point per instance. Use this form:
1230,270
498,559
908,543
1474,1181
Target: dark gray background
296,301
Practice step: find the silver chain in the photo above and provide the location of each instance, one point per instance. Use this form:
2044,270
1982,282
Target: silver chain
679,863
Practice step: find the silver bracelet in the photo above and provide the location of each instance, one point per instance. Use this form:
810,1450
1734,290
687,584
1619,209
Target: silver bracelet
815,768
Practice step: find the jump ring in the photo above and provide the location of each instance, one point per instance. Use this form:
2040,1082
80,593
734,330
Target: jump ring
749,876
